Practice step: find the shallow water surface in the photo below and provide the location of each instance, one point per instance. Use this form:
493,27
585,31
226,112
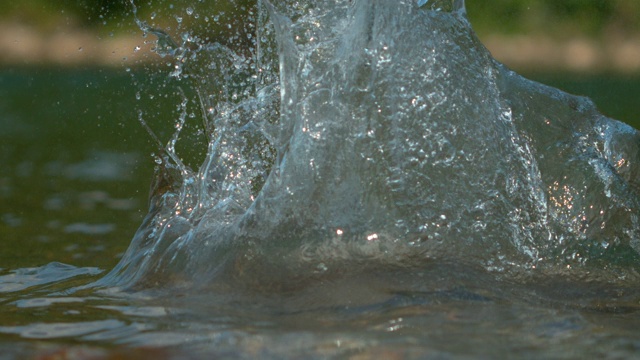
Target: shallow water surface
438,311
345,202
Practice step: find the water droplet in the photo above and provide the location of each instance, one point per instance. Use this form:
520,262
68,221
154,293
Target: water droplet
322,267
189,11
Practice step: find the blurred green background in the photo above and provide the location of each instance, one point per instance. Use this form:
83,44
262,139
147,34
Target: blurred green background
580,36
551,17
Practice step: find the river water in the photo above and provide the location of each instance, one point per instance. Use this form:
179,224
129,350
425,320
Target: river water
367,183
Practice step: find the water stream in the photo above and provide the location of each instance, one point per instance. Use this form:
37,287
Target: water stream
374,183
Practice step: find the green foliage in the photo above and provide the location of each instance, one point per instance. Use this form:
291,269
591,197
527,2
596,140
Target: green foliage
555,17
97,11
551,17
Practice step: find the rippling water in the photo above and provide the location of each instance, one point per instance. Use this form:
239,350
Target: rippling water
374,184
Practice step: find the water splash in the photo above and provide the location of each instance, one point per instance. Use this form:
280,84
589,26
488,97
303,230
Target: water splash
356,134
443,5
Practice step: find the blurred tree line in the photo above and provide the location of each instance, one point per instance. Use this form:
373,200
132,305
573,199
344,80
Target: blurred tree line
551,17
48,13
556,17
